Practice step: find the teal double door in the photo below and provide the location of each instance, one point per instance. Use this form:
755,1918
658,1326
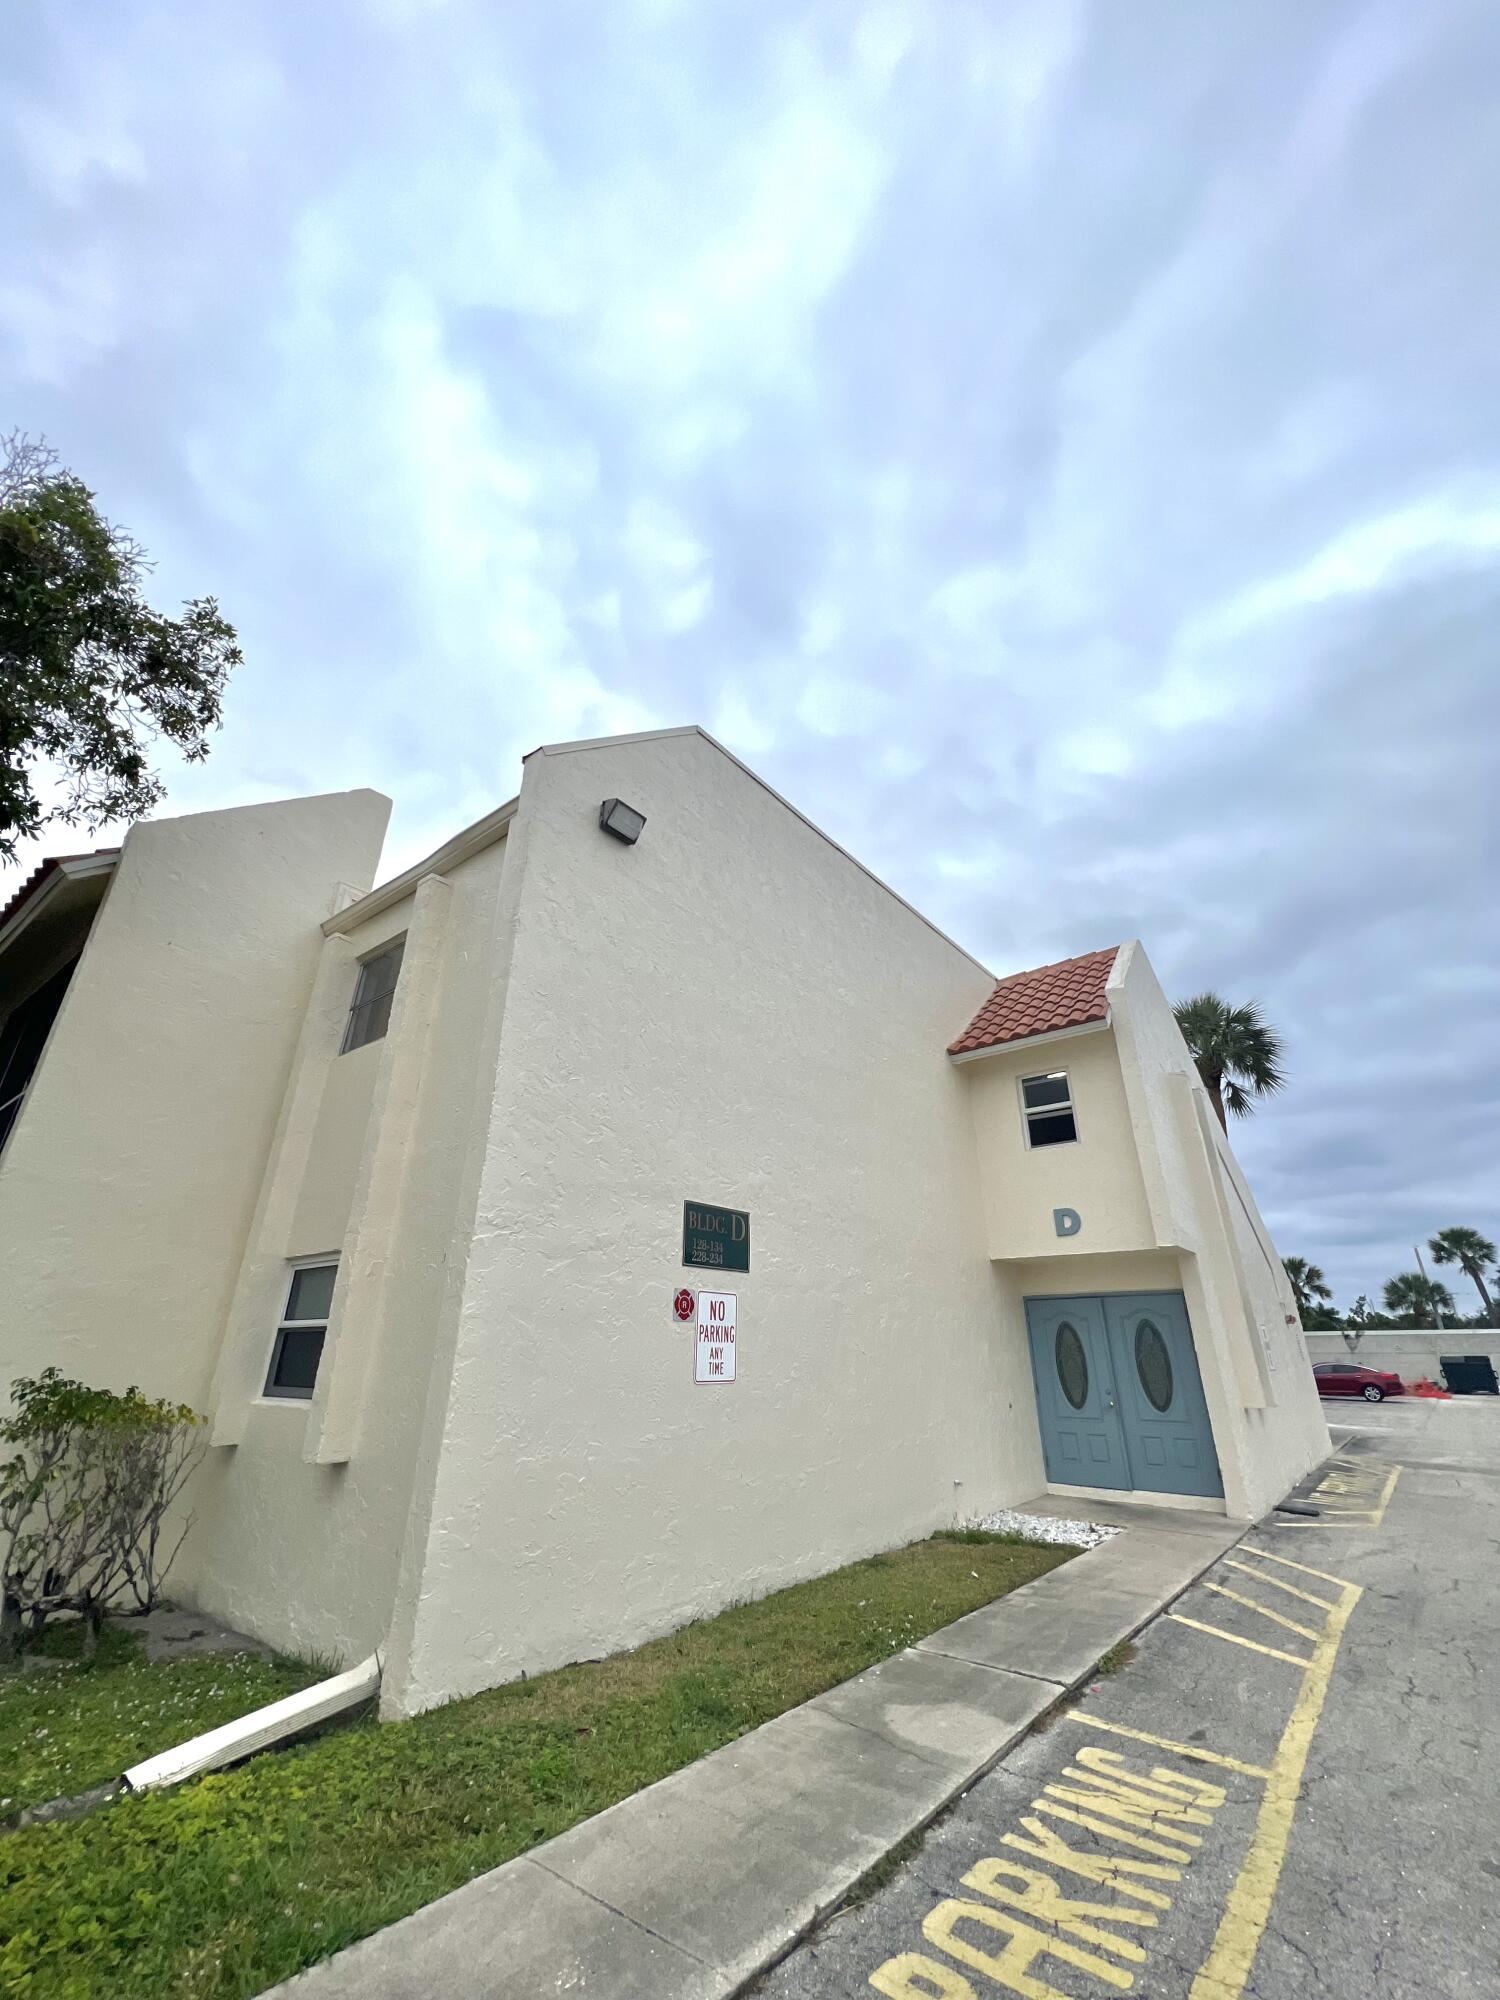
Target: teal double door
1119,1394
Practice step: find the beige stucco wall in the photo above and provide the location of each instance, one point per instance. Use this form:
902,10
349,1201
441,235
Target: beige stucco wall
1162,1204
730,1011
1065,1276
334,1153
1268,1424
129,1181
1098,1175
507,1463
303,1509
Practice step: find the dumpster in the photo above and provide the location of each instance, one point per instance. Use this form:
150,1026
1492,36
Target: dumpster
1470,1374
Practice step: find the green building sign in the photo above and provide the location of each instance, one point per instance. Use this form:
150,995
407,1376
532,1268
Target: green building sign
715,1239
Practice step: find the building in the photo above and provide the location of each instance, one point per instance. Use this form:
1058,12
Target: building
397,1185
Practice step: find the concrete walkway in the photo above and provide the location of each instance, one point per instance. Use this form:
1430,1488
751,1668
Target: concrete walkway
691,1887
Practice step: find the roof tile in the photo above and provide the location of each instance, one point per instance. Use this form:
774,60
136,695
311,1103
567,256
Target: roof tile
1066,995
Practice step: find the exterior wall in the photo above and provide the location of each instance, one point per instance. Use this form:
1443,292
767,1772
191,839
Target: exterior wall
507,1464
1162,1205
730,1011
304,1507
1410,1351
337,1145
1067,1276
128,1183
1268,1423
1098,1175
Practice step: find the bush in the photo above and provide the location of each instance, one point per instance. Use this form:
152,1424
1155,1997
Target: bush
84,1500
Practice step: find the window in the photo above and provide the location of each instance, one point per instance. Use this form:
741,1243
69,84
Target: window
1072,1365
1048,1109
299,1338
370,1014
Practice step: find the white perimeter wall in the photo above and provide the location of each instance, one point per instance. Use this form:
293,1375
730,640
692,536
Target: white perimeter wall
128,1183
1409,1352
733,1012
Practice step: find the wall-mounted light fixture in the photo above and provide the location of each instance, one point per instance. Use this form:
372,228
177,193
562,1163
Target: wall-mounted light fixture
623,821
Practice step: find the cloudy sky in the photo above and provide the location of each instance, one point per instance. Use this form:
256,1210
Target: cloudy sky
1057,445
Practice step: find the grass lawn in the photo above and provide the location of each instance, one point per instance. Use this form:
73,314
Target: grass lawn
67,1728
232,1882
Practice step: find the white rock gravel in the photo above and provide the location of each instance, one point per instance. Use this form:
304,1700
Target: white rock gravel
1043,1528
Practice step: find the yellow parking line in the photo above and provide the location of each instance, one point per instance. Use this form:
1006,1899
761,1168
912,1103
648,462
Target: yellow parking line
1385,1496
1081,1715
1302,1631
1218,1632
1347,1517
1224,1972
1275,1582
1287,1563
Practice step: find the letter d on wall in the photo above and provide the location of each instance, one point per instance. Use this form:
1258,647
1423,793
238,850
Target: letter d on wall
1066,1221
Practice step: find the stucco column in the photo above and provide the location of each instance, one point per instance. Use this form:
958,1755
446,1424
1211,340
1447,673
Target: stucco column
361,1299
260,1289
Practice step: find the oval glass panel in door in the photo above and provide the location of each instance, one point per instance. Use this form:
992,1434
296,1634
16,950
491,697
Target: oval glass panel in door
1072,1365
1154,1365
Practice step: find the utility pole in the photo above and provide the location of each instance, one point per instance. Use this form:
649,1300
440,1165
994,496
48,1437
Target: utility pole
1436,1309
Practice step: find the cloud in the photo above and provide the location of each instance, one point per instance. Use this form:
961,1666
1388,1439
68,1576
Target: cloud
1059,445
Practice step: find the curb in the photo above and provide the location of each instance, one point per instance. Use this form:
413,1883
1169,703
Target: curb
919,1827
695,1887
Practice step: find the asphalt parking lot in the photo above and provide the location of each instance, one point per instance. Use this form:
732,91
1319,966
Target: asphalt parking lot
1291,1789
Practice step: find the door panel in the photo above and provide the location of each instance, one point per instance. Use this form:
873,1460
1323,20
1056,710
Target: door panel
1082,1440
1168,1439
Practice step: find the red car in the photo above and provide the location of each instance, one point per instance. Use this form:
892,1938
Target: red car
1346,1378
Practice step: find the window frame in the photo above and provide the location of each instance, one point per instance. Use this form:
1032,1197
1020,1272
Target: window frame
390,947
285,1324
1028,1112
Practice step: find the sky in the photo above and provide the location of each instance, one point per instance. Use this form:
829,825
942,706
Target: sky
1056,445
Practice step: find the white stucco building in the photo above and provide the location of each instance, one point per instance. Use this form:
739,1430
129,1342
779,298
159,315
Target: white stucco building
394,1184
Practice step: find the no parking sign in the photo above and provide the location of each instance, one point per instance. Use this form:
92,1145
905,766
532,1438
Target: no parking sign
714,1360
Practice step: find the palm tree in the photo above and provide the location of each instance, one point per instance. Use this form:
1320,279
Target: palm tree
1421,1299
1238,1056
1309,1286
1471,1252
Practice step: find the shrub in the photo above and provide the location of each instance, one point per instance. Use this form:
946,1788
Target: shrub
84,1499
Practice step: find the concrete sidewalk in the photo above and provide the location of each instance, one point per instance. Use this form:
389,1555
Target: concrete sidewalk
691,1887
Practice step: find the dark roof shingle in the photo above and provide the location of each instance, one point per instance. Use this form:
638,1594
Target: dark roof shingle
1066,995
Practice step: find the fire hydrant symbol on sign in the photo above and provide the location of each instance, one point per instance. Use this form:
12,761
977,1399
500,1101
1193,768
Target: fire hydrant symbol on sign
684,1305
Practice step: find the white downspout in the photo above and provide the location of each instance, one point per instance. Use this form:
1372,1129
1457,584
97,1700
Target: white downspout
258,1730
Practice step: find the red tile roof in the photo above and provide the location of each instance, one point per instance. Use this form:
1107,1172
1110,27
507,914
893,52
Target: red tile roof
1065,995
45,868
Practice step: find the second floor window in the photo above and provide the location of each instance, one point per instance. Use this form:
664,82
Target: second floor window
370,1014
1047,1104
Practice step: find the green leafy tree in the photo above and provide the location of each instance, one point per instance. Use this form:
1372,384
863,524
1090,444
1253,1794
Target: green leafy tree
1360,1317
1239,1056
1321,1319
1471,1252
90,676
1309,1286
85,1497
1415,1300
